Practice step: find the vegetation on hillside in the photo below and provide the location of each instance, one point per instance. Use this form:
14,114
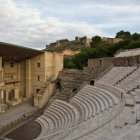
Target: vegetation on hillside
101,49
73,47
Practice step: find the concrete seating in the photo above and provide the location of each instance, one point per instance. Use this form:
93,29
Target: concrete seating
64,110
131,81
55,117
131,52
107,97
72,109
82,106
101,95
116,74
56,111
110,97
99,99
90,101
105,103
60,115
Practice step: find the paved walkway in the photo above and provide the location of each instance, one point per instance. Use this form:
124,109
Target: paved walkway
15,112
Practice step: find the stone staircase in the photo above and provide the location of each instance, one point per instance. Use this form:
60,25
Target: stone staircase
51,79
125,76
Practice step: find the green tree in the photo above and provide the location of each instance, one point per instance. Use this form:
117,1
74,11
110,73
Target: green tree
123,34
102,49
135,36
95,41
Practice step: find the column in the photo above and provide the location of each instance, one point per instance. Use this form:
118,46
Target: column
28,78
1,100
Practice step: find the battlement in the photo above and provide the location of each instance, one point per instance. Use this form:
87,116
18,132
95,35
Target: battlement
81,40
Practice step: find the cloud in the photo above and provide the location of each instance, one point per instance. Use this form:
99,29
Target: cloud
37,23
25,26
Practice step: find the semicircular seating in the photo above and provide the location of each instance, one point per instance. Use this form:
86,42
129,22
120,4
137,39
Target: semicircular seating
97,97
99,102
90,101
60,115
64,110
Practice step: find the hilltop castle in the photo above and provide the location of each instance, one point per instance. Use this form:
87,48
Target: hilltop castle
83,41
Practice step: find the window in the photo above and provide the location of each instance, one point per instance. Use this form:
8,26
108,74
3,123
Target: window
12,64
37,90
38,65
38,78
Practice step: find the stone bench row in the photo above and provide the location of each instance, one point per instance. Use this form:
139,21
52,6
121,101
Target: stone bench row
60,115
116,74
91,101
131,81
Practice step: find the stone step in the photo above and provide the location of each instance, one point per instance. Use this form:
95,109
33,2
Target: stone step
101,96
58,115
113,98
68,113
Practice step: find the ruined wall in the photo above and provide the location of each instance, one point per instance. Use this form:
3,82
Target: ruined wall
114,62
84,41
73,79
111,40
58,43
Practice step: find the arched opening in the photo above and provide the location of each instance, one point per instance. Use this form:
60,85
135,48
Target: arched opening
74,90
58,84
92,82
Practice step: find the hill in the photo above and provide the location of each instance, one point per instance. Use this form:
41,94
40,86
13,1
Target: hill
100,48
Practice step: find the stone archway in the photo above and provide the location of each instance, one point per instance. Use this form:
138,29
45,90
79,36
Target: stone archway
92,82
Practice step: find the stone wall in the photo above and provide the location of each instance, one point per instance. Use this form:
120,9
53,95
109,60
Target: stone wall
50,65
0,62
69,81
114,62
72,80
84,41
112,40
20,81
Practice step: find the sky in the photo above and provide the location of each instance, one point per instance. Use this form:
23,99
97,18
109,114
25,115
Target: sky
36,23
